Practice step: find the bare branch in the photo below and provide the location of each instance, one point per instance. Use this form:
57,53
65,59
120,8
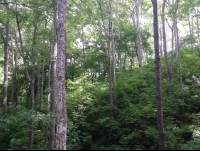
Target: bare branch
196,80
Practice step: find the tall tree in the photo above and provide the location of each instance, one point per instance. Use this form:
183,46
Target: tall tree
165,42
139,39
5,90
53,82
61,133
160,122
13,67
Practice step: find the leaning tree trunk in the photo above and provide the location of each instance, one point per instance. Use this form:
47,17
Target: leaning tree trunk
165,43
61,135
5,90
160,122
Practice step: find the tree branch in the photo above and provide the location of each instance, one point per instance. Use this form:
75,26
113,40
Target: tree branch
196,80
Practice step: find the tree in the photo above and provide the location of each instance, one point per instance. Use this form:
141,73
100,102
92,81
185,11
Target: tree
160,122
165,42
5,90
61,133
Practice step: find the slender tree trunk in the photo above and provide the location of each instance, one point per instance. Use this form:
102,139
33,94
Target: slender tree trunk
172,52
32,106
110,72
165,43
138,37
42,84
5,90
13,70
191,35
179,62
161,47
61,135
119,50
48,96
33,83
124,65
83,54
160,121
113,52
53,84
198,33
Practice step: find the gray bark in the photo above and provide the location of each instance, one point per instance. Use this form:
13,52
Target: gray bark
165,43
160,121
61,135
161,46
5,90
53,84
42,84
196,81
172,52
13,69
113,51
198,33
138,37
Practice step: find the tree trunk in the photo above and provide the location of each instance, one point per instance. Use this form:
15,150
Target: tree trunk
160,122
119,50
113,51
138,37
172,52
198,33
52,132
196,81
110,72
191,35
5,90
42,84
179,62
61,135
13,70
124,65
161,52
165,43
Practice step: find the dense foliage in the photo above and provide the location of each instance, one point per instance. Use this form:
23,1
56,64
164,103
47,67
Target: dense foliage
133,125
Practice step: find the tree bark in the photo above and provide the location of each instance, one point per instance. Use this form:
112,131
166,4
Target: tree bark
13,69
198,33
113,51
61,135
160,122
165,43
161,46
138,37
179,61
5,90
172,52
53,83
196,81
191,35
42,84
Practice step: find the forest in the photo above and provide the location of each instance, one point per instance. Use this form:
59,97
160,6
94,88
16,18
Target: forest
99,75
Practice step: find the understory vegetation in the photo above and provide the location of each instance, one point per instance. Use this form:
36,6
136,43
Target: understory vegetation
134,122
